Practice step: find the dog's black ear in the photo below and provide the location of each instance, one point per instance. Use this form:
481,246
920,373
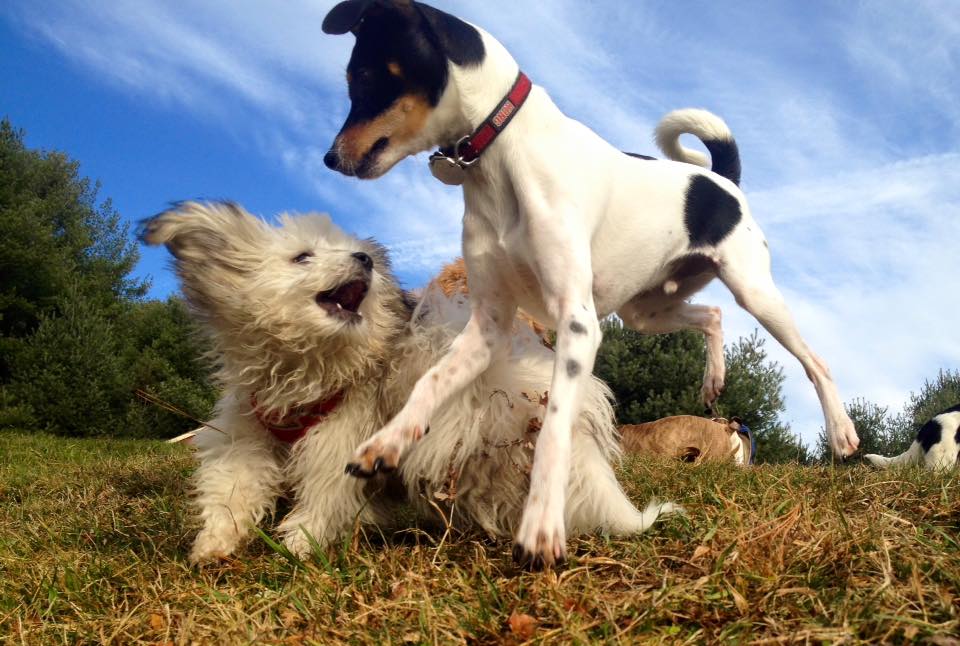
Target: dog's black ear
347,15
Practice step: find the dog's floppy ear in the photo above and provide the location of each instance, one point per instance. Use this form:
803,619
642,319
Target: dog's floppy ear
195,231
347,15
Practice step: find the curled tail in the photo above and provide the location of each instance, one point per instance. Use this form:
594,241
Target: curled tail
708,128
912,455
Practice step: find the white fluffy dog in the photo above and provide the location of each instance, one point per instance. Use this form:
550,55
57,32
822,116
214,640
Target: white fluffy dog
316,347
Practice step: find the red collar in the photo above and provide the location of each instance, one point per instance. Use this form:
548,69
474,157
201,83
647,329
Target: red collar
298,421
466,151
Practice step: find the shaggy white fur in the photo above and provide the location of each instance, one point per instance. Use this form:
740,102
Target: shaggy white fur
280,304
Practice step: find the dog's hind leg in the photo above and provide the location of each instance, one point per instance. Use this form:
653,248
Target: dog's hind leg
679,315
746,272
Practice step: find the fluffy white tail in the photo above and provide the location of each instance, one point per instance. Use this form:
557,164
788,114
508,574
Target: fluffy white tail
913,455
711,130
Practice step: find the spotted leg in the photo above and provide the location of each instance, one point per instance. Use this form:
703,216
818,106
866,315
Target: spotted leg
485,334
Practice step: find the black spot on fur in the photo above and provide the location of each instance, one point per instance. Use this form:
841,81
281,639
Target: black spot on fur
930,433
710,212
639,156
573,368
577,327
724,158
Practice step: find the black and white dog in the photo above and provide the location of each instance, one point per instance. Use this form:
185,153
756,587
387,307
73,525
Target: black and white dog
557,221
937,444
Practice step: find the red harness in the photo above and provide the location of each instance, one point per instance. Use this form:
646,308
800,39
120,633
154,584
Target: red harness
295,424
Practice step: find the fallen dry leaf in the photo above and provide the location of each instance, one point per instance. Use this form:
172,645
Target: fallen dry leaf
156,621
522,625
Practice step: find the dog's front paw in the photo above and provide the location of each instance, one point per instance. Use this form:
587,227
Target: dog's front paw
843,437
298,543
713,385
381,453
541,542
211,546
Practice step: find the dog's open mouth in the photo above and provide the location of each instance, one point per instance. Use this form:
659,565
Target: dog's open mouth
344,301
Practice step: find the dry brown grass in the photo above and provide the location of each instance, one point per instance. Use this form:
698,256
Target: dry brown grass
93,537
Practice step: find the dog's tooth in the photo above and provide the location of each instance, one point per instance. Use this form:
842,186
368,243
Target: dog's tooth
339,306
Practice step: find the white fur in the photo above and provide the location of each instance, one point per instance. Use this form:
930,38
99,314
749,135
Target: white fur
271,338
561,223
941,456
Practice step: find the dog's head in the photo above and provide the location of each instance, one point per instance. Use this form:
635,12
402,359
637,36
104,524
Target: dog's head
281,294
396,76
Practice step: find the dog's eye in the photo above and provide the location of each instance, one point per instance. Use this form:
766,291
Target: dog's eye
303,257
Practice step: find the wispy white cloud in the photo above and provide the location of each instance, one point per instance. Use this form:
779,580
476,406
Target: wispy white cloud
848,121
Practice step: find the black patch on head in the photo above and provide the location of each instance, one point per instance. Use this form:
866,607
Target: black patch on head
459,41
724,158
392,34
573,368
710,212
577,327
929,434
417,38
639,156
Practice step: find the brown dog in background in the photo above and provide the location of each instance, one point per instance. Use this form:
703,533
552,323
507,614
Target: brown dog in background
691,439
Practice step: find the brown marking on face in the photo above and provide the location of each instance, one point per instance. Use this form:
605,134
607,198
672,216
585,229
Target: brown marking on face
394,68
400,122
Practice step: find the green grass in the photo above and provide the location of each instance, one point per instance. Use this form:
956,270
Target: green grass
94,534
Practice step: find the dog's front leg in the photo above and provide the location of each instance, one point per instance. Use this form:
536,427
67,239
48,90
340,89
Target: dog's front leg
486,333
327,504
237,485
566,281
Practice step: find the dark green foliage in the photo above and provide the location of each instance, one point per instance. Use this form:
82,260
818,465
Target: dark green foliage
935,396
70,371
164,358
54,238
76,338
658,376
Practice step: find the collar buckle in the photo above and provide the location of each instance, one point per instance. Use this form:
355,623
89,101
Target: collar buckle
450,167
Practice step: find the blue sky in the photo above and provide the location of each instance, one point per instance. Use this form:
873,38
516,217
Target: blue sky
847,115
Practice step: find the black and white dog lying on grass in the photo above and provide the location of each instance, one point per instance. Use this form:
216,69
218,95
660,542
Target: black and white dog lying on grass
937,444
317,347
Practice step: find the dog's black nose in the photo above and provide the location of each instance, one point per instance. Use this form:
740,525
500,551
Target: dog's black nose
365,260
331,159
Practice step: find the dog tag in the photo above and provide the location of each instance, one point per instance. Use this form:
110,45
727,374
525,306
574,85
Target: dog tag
447,170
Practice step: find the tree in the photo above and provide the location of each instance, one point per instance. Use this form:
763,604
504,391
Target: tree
54,240
77,340
657,376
